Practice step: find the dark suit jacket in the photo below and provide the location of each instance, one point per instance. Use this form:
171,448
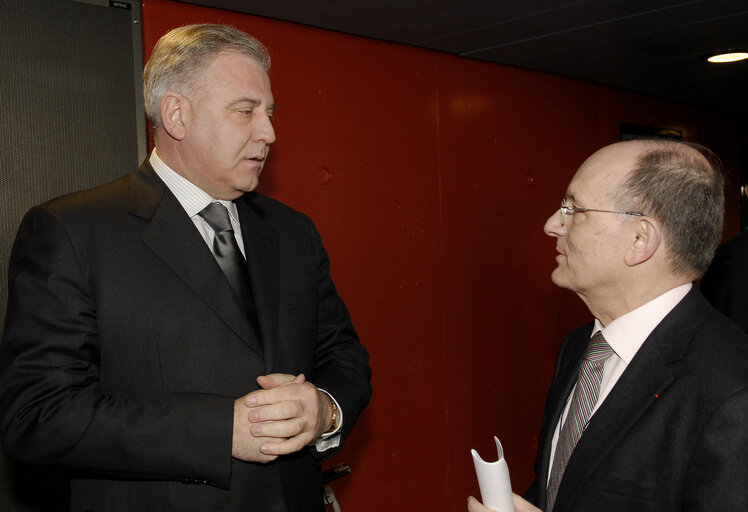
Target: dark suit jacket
125,348
725,284
673,433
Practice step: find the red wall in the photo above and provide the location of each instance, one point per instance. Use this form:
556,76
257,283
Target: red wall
430,178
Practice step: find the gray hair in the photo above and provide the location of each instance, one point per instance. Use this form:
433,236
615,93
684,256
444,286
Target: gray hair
182,53
681,185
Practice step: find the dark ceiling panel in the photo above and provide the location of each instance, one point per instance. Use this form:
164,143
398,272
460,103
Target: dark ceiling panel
649,46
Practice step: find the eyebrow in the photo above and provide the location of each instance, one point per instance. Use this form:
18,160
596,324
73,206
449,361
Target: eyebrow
574,201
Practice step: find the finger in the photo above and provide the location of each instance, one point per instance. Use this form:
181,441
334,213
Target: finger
269,395
471,502
476,506
292,445
276,411
274,380
284,429
292,391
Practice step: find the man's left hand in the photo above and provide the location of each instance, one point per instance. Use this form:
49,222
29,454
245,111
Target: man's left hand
288,409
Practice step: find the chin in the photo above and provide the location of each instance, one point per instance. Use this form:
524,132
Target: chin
249,186
250,182
558,279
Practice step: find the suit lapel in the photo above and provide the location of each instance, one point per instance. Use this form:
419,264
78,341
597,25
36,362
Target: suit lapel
261,248
172,236
648,375
566,375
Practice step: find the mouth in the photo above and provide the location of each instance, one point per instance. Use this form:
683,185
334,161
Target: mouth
258,154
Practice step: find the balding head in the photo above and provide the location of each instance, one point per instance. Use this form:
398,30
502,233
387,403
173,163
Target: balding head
681,186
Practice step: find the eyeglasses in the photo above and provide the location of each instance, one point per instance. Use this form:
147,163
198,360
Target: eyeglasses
571,210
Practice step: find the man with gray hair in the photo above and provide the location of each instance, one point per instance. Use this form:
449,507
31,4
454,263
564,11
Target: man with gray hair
164,330
648,406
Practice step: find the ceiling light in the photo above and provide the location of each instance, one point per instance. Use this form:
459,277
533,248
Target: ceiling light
728,57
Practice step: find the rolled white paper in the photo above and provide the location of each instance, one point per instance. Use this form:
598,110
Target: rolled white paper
493,480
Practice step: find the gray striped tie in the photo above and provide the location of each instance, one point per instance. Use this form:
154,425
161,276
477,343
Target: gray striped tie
582,404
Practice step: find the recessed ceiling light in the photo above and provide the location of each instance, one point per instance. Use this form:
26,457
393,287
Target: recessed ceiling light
728,57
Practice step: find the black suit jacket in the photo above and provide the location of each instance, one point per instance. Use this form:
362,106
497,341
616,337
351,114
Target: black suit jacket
725,284
672,434
125,348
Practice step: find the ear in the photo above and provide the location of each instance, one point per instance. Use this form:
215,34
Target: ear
646,238
175,114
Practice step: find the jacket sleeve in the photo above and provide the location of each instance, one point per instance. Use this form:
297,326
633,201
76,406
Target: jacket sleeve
718,468
53,408
341,361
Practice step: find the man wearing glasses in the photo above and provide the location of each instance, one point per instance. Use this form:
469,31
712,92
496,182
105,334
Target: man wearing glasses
648,407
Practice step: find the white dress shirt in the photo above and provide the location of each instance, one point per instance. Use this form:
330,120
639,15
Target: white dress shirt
625,335
194,199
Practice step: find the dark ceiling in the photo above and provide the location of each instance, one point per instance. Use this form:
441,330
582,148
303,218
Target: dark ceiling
651,46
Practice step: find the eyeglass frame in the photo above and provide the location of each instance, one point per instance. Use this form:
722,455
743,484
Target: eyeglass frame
571,210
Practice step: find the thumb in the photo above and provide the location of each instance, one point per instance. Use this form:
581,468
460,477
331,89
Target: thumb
274,380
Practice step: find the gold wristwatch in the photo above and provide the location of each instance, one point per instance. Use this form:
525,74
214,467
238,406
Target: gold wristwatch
335,417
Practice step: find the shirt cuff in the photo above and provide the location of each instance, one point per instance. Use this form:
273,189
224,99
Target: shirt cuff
330,440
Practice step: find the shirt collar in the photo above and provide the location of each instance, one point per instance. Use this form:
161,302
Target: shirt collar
192,198
626,334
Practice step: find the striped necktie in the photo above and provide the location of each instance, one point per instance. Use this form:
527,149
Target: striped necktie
582,404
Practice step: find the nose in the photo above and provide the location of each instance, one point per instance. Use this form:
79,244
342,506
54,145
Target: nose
553,226
264,131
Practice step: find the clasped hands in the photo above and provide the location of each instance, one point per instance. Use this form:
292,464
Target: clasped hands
283,417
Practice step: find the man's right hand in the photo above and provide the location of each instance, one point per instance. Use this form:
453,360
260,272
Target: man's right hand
520,505
244,445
